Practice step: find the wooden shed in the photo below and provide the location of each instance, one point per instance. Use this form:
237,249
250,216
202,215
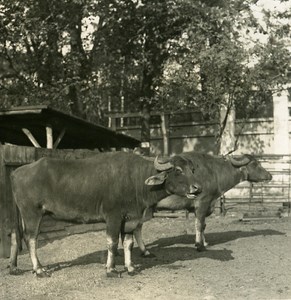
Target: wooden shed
29,133
44,127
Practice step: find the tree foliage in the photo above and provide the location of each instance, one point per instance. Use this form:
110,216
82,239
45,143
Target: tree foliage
88,57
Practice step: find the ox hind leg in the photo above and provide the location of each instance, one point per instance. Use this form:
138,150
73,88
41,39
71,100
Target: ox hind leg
16,241
31,230
14,253
138,237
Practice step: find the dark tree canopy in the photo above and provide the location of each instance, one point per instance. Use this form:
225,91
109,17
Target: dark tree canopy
89,57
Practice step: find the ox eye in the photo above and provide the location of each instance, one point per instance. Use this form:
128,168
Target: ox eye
178,170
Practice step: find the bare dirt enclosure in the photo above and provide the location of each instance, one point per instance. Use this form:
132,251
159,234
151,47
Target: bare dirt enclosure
245,260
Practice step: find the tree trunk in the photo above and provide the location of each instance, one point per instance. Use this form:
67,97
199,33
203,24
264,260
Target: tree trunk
165,132
145,129
79,67
121,91
226,142
75,102
147,94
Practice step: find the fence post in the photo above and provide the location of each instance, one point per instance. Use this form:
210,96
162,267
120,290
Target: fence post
3,208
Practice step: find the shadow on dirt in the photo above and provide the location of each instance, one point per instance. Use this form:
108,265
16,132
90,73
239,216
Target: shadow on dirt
164,257
214,238
171,250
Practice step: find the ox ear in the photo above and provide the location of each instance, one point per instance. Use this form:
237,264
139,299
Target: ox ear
157,179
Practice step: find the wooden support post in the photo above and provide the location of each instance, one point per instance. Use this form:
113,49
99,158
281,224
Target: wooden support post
31,138
59,138
5,208
49,137
113,124
2,205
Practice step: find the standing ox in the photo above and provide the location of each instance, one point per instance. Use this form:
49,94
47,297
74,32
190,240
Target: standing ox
117,188
215,175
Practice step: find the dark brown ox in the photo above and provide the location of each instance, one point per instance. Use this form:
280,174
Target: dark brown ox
117,188
215,175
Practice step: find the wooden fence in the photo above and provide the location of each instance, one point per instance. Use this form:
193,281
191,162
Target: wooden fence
263,197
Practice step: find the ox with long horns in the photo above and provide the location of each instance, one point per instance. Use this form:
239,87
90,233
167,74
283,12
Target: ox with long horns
216,175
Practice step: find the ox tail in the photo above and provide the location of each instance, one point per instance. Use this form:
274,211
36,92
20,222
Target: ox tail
16,241
17,223
19,228
16,235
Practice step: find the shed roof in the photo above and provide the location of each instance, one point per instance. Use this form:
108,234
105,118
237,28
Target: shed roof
71,132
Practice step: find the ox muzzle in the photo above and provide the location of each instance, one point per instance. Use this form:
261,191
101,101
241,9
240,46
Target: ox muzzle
195,189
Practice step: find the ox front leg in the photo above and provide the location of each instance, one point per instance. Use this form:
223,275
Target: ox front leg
127,240
113,228
203,236
112,245
200,239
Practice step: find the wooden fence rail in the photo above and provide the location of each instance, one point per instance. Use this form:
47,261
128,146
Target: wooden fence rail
273,196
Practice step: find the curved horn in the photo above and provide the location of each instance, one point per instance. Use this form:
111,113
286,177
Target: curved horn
239,162
162,166
148,158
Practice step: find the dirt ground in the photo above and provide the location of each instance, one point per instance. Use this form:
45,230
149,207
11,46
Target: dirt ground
245,260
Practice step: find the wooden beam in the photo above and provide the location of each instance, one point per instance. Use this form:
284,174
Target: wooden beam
60,137
31,138
49,137
3,207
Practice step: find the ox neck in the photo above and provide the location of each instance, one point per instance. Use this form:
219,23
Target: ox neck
232,176
157,194
244,174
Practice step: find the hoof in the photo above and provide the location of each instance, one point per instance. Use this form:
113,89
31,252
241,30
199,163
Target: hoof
15,271
132,273
113,274
132,270
148,255
200,247
42,273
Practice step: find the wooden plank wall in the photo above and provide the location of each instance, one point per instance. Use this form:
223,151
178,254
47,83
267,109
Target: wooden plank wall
3,208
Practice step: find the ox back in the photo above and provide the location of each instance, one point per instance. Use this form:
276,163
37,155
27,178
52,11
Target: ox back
84,190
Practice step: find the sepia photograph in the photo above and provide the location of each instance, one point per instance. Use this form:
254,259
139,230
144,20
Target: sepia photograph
145,150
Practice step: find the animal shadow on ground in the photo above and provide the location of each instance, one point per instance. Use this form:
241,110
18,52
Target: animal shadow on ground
170,250
214,238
